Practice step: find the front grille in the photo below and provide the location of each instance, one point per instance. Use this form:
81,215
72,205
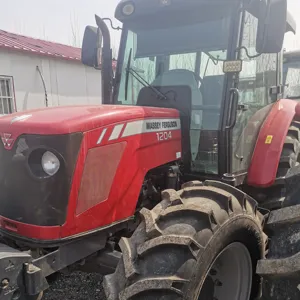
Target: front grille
28,198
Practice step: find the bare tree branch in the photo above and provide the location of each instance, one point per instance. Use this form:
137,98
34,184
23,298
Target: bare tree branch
75,31
44,34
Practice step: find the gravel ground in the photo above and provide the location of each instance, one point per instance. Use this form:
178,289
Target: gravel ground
76,286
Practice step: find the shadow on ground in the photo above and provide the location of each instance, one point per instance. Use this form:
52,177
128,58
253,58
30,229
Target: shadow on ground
76,286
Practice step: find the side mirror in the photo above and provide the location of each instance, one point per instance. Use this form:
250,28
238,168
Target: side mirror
96,52
271,26
91,47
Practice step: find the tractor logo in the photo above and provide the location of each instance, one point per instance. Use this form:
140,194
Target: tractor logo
7,140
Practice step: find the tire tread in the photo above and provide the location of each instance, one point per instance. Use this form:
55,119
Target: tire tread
185,222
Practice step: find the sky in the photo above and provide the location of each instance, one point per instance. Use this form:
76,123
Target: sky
64,21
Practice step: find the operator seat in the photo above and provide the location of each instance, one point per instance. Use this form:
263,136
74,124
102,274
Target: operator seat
179,77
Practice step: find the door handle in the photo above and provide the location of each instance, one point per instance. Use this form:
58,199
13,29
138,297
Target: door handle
234,95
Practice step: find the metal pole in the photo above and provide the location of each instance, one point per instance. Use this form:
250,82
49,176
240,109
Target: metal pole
44,85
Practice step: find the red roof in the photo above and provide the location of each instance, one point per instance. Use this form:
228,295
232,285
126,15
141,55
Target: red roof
26,44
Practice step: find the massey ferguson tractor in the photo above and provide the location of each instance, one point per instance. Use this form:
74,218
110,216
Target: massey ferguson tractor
184,184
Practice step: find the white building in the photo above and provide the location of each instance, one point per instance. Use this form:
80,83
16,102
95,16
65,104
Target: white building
36,73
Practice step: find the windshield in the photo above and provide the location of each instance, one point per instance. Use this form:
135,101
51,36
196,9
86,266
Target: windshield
181,54
151,52
292,79
174,55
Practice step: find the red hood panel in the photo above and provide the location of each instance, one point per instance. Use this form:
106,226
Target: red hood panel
68,119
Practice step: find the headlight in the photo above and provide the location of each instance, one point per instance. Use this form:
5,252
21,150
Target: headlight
50,163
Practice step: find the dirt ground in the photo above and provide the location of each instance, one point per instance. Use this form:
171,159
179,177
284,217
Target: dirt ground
76,286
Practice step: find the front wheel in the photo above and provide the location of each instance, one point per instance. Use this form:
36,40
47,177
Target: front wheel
202,242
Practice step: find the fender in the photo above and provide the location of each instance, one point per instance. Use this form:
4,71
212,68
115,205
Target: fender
265,160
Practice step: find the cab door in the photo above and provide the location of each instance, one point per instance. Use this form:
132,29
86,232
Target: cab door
258,75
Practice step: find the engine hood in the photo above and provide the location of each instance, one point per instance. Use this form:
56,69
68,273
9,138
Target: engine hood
69,119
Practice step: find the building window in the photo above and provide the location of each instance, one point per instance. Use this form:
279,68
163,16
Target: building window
6,95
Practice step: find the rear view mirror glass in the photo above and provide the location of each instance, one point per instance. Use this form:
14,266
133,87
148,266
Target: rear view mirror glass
91,47
271,26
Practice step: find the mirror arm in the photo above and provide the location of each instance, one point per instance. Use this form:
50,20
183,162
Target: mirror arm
106,63
111,24
104,30
247,52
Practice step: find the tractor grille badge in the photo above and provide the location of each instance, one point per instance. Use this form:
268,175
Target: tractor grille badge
7,140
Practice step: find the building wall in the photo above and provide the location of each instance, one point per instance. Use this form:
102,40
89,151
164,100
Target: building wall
67,82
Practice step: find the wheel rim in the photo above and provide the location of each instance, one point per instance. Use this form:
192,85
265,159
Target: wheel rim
230,275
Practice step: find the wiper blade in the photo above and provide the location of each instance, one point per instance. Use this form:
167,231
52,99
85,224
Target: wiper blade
127,74
141,80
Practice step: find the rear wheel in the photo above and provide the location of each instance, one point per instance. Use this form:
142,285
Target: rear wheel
281,269
202,242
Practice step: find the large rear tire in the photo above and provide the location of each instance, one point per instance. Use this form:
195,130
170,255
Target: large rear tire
281,269
202,242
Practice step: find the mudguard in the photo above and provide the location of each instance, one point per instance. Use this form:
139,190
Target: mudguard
264,164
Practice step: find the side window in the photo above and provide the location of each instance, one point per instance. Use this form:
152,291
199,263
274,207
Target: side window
257,76
183,61
292,79
212,63
259,73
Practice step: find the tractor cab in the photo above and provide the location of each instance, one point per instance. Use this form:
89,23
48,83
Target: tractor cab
214,61
291,74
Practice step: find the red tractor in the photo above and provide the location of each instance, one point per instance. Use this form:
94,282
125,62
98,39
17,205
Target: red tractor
174,186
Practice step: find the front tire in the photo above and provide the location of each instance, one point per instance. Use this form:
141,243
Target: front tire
194,245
